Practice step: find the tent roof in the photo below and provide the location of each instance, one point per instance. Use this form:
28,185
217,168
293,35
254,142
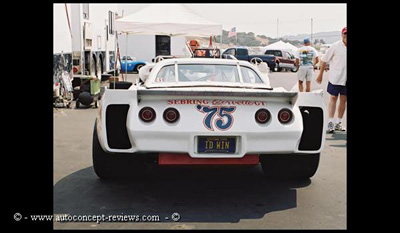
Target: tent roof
294,48
281,45
167,19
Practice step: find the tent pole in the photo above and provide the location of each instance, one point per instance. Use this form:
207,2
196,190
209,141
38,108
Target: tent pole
115,56
220,49
126,58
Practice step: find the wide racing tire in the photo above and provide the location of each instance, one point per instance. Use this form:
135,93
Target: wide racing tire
289,166
115,165
120,85
138,67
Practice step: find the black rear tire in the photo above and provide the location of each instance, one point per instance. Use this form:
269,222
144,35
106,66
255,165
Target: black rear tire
120,85
115,165
138,67
277,68
289,166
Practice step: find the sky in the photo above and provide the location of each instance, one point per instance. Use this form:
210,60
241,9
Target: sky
263,18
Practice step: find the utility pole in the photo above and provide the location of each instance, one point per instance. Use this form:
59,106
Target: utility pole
311,31
277,28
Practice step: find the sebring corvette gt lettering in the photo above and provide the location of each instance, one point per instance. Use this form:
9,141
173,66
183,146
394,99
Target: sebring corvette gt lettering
223,113
217,102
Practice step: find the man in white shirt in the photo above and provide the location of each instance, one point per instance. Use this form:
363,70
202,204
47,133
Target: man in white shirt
306,58
337,88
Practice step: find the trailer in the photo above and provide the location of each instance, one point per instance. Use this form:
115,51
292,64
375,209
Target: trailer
93,49
93,38
62,56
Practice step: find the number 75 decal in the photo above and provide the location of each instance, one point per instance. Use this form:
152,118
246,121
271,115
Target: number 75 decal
223,114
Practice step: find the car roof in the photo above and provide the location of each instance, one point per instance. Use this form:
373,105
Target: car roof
149,83
203,61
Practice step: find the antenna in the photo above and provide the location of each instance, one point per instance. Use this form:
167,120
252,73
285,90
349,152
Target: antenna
277,28
311,31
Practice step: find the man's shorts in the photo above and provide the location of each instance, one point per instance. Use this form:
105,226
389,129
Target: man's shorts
305,73
337,89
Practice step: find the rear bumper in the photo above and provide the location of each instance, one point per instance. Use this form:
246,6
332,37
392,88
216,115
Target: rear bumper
246,143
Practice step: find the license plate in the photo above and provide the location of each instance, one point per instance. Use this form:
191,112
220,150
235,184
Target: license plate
218,145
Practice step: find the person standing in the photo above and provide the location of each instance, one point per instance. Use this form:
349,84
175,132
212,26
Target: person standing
306,58
194,44
337,88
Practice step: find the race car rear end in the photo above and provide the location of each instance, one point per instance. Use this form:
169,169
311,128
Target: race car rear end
208,112
211,126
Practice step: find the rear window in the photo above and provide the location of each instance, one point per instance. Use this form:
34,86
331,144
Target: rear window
250,76
207,73
166,74
277,53
242,52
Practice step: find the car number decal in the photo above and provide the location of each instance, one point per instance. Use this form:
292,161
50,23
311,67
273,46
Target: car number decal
224,120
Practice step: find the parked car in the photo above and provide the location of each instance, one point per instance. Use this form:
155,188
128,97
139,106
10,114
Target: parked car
133,65
243,54
285,59
197,111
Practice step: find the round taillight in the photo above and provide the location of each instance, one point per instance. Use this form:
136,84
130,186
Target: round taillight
262,116
171,115
75,70
285,116
147,114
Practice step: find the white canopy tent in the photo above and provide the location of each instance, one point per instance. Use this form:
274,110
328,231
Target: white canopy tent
281,45
167,19
292,47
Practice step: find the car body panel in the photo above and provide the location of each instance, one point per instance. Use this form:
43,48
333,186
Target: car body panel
233,115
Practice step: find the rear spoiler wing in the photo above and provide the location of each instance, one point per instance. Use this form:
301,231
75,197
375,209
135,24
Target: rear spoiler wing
314,98
311,99
244,93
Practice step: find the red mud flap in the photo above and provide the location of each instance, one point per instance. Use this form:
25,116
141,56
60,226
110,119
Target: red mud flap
185,159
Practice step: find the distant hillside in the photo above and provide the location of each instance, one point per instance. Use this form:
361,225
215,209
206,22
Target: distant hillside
251,40
327,37
243,39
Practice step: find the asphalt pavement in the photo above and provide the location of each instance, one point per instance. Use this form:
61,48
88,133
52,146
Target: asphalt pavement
204,198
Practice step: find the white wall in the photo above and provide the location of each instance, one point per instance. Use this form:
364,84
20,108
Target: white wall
61,36
143,47
76,24
178,47
98,17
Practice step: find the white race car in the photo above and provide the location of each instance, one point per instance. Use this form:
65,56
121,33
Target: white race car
196,111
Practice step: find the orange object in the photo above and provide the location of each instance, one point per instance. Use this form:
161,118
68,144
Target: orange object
194,43
185,159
